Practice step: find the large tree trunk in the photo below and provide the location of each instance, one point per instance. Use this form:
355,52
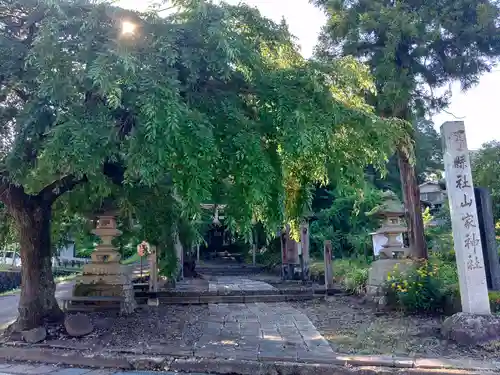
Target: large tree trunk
32,215
411,195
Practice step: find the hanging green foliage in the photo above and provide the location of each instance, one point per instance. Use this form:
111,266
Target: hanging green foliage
161,114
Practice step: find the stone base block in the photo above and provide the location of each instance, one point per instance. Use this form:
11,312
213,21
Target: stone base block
108,290
107,269
98,289
379,271
471,329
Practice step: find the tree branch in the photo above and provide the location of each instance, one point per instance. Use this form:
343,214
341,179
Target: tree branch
451,114
53,191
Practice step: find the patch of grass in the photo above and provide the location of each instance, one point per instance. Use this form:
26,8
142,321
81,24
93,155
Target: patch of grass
4,267
317,269
345,267
351,273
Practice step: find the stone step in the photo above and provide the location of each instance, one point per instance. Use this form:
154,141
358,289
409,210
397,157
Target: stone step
203,300
92,308
226,272
140,286
196,298
248,292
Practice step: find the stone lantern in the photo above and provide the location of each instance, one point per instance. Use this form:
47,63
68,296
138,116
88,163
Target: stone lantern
392,254
391,212
104,275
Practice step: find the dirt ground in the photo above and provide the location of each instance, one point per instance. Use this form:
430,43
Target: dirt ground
354,327
172,325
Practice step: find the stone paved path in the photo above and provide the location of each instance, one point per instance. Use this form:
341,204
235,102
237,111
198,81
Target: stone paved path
265,331
232,283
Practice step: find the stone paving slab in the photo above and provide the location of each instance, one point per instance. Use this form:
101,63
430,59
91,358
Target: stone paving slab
71,371
260,331
235,283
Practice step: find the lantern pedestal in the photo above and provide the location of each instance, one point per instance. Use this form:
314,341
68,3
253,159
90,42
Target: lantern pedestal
104,275
379,271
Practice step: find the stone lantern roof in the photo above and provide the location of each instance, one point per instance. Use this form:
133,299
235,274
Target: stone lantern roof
390,206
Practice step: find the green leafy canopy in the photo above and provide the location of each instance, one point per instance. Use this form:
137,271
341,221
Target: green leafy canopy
212,102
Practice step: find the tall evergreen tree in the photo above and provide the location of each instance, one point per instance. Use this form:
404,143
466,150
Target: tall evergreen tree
413,47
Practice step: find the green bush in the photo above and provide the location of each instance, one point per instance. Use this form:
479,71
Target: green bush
438,234
317,271
341,218
428,287
341,267
351,274
494,297
445,256
355,280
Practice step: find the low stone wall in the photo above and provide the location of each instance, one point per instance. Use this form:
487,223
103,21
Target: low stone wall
9,280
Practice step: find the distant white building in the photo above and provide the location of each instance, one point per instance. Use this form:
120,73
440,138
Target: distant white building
432,195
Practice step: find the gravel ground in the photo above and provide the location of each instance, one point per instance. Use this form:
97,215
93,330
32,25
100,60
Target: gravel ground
171,325
353,327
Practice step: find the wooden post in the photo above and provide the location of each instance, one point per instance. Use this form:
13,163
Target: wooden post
254,245
153,270
254,250
304,243
327,255
153,277
198,253
283,252
301,261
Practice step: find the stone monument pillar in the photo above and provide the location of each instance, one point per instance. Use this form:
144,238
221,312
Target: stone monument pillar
104,275
474,324
392,253
464,220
